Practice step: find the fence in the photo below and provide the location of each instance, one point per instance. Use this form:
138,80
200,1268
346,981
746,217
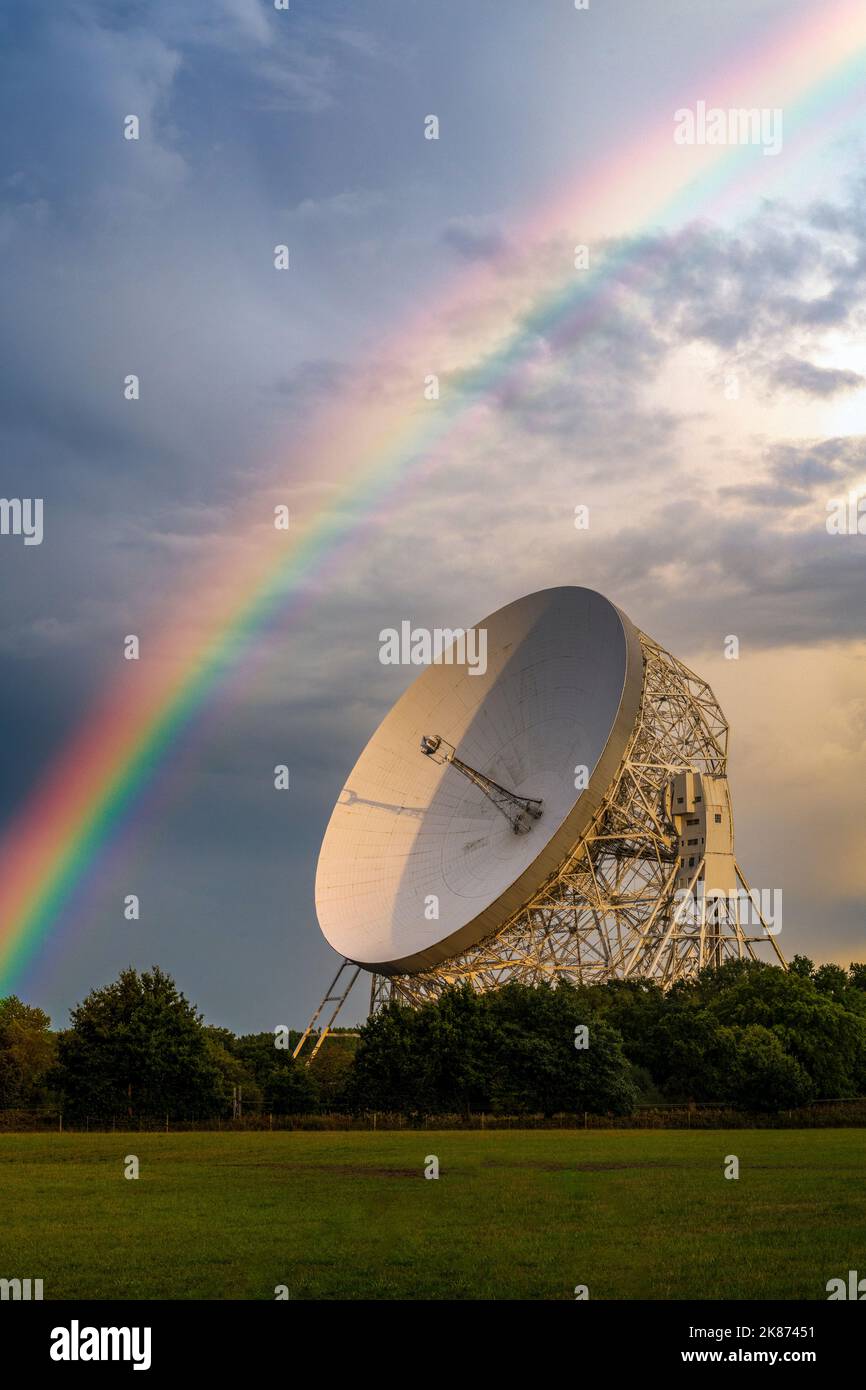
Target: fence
820,1114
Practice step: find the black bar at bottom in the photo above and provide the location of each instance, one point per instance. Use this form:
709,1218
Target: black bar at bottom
255,1338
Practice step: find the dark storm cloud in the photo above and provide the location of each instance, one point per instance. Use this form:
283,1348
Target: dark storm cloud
155,258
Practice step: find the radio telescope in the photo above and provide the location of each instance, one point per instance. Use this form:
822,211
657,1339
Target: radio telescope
560,811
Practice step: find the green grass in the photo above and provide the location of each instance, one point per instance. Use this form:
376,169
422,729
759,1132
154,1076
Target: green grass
514,1215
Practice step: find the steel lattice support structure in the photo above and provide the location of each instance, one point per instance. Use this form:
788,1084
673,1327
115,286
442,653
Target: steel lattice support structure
613,910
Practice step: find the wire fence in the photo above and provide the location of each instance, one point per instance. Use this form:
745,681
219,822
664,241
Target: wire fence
819,1114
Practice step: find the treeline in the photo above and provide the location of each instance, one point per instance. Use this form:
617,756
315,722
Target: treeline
137,1047
748,1036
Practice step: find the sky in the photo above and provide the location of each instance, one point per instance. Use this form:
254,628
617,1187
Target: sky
706,412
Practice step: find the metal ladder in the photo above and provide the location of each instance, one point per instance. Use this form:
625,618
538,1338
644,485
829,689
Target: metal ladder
332,997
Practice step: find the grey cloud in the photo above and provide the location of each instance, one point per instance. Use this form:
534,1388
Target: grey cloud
745,292
822,461
768,494
795,374
801,475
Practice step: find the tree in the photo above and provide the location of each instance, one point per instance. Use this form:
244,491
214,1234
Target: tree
633,1008
138,1047
690,1053
27,1053
388,1067
331,1069
764,1076
511,1051
536,1065
222,1044
802,965
825,1036
259,1053
857,975
451,1046
291,1090
833,981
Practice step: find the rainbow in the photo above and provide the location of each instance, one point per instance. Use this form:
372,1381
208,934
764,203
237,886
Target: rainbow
359,455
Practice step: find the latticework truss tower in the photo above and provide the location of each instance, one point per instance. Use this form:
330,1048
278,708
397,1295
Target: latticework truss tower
644,893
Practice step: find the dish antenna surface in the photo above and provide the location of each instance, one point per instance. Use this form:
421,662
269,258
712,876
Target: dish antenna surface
559,809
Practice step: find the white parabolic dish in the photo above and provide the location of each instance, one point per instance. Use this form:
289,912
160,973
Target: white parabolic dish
561,691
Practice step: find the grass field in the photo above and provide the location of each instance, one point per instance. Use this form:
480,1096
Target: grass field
514,1215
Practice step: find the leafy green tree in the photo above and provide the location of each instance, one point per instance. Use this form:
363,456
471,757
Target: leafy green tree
259,1053
536,1065
27,1054
512,1050
137,1047
765,1077
833,981
330,1070
387,1072
291,1090
451,1045
634,1008
234,1074
802,965
825,1037
691,1039
691,1054
857,976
